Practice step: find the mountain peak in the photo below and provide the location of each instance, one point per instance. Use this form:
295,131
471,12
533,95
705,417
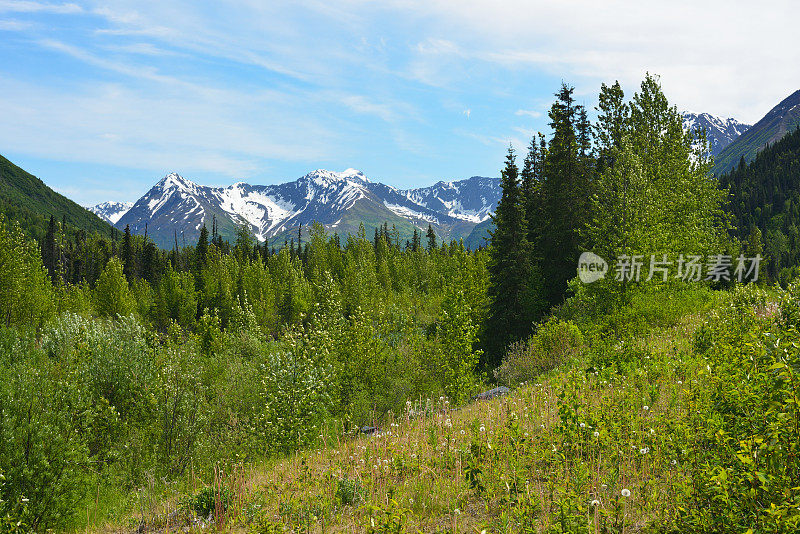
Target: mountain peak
719,132
175,180
780,120
111,212
326,176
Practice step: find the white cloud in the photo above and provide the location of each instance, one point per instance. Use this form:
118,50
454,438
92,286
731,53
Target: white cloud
26,6
529,113
726,57
14,25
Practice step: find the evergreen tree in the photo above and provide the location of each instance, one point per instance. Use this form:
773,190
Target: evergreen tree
127,254
565,192
510,309
612,123
416,240
202,249
431,235
150,267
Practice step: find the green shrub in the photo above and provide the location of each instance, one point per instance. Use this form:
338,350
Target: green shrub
554,342
349,492
204,502
745,452
44,418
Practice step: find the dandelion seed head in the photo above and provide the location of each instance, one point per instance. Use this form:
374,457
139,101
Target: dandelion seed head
626,492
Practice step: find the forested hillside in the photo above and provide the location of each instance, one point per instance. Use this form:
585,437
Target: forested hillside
780,120
26,199
765,202
331,385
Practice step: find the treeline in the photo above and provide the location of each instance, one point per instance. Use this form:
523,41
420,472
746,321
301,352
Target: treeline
765,202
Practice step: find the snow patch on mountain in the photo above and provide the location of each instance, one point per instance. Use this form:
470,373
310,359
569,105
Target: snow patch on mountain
719,132
176,205
111,212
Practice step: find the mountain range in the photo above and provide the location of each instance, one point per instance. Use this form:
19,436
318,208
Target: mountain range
719,132
177,208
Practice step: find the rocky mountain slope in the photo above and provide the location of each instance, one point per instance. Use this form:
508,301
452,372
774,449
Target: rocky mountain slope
177,207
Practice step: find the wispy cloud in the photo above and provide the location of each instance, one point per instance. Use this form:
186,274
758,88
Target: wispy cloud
28,6
528,113
14,25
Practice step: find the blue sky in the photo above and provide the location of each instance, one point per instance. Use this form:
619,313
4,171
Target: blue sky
102,99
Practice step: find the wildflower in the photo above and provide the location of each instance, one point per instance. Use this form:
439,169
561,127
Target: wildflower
483,428
596,434
457,511
462,432
583,425
626,492
645,450
645,407
595,503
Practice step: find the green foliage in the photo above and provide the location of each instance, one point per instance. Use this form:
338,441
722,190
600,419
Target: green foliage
349,492
205,502
45,416
554,343
511,310
765,204
745,453
295,397
112,295
25,290
27,200
456,336
654,195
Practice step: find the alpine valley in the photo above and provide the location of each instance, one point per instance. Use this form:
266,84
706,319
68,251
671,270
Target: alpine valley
176,208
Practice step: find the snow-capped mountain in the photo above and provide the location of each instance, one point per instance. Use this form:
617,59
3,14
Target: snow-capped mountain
720,132
176,208
111,212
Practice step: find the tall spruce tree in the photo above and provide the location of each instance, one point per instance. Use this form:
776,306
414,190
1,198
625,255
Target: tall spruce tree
431,235
565,191
127,254
202,248
510,314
